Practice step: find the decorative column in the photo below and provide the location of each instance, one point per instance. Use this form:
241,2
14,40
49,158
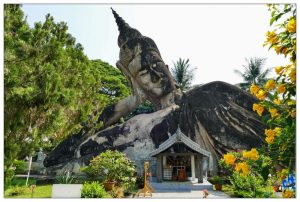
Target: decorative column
164,161
159,168
193,166
200,169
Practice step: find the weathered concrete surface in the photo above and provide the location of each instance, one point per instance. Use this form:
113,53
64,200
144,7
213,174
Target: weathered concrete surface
147,74
218,116
66,190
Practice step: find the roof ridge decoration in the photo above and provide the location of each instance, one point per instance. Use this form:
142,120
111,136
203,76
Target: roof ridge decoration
180,137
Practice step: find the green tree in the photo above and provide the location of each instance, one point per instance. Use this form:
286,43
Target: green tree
114,85
253,72
144,108
50,86
183,73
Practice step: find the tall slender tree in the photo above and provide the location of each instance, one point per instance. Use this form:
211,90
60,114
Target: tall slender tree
50,85
253,73
183,73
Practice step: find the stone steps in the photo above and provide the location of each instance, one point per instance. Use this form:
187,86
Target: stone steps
169,186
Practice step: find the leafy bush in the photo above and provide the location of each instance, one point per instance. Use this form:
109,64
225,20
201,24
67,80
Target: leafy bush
65,178
93,190
93,173
216,180
22,181
15,191
247,172
20,166
9,175
79,179
113,165
250,186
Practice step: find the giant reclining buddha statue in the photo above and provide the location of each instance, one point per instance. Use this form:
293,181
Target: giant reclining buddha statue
218,116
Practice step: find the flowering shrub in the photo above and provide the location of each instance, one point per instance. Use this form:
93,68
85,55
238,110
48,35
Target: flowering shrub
279,100
247,172
277,108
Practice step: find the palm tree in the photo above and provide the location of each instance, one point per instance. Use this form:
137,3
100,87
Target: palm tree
253,73
183,73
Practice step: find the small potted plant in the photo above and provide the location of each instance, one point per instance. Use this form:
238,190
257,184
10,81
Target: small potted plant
110,180
217,182
114,166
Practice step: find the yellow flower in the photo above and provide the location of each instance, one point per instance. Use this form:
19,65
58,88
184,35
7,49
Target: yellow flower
279,69
272,37
291,26
229,159
243,167
288,194
253,154
285,50
260,110
281,88
292,102
277,101
269,139
257,107
269,132
277,131
270,135
254,89
292,114
270,84
292,74
274,112
277,49
261,95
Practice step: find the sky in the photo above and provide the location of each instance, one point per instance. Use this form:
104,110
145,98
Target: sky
215,38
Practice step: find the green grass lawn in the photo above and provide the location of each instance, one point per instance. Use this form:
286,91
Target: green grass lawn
41,191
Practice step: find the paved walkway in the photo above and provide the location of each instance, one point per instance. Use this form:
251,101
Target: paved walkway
189,194
185,190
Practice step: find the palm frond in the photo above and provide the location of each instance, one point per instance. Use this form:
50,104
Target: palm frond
253,72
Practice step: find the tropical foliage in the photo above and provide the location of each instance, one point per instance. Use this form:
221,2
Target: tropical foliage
183,73
277,105
253,73
113,166
144,108
93,190
51,88
248,173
